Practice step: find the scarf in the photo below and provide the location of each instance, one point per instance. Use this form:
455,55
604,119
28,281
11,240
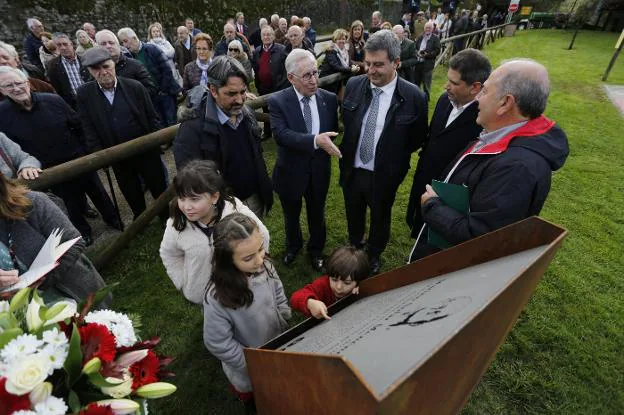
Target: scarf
204,67
343,54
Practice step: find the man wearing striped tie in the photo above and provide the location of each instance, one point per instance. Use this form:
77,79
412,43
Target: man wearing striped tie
385,120
304,122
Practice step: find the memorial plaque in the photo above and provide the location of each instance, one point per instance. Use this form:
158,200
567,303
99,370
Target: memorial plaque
416,340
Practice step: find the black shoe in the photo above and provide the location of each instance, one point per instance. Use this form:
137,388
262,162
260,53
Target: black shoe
317,263
375,265
91,213
289,258
88,240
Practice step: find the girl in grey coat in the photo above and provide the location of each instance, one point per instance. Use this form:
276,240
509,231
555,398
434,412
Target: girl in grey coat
245,304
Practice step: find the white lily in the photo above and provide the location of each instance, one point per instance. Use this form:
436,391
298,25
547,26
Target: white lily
120,406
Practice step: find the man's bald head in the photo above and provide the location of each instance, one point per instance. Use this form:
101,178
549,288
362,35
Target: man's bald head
527,81
399,31
229,32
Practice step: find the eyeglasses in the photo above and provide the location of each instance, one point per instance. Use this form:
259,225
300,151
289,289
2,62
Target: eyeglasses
18,84
307,77
234,50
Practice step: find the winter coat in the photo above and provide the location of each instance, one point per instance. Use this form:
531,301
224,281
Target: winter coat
228,331
18,159
187,255
507,181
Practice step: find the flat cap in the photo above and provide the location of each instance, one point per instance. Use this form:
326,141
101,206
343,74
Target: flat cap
95,56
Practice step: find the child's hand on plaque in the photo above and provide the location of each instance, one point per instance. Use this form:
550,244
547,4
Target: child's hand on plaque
318,309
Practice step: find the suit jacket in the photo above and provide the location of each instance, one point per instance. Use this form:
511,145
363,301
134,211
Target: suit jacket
60,80
404,132
408,60
245,30
183,55
442,146
432,50
297,159
94,117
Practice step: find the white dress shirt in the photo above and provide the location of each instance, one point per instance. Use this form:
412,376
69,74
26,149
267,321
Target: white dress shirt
109,93
316,121
456,112
385,98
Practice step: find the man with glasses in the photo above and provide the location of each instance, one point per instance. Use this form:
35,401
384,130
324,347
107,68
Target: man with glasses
304,122
47,128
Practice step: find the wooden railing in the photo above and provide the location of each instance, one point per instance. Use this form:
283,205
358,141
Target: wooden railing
115,154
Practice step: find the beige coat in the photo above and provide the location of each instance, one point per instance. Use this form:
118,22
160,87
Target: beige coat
187,255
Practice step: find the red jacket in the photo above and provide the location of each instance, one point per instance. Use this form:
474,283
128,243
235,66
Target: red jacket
318,290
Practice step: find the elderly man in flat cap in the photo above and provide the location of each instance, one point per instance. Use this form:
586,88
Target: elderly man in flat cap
114,110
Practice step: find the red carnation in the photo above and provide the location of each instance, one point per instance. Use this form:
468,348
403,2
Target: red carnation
145,371
10,403
95,409
96,341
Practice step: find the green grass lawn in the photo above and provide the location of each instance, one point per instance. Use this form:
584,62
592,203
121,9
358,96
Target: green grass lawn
564,354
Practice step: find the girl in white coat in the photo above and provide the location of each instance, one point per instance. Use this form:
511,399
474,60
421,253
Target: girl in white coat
186,249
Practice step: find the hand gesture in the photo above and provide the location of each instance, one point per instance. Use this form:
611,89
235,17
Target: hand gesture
318,309
29,173
324,141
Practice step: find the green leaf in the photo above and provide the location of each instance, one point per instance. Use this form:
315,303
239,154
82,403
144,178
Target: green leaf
141,403
42,312
73,363
7,321
98,380
8,335
99,295
53,311
20,299
74,402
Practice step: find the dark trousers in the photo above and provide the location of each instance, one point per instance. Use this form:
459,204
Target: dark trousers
73,194
315,209
166,107
422,78
359,194
147,166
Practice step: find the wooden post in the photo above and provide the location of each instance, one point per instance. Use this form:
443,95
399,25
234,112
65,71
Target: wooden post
573,38
614,58
102,158
104,258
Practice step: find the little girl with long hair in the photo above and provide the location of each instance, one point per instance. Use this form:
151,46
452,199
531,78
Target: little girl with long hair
245,304
201,201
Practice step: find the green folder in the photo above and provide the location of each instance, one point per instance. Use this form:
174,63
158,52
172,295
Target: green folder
455,196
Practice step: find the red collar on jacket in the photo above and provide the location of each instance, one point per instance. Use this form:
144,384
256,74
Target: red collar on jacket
532,128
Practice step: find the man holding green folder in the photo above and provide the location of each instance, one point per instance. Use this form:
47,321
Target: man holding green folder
504,176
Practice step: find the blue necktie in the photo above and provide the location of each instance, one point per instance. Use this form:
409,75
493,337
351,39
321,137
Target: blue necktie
367,146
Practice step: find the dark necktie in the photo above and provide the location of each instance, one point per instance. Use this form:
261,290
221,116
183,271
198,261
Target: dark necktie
307,114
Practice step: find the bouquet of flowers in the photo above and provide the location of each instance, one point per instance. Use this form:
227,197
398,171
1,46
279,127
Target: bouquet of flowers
64,359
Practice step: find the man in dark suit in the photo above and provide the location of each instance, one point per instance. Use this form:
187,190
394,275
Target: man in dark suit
184,50
452,126
408,54
427,49
385,120
114,110
304,122
241,26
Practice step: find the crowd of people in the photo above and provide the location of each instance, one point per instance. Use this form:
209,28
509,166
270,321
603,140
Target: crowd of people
68,98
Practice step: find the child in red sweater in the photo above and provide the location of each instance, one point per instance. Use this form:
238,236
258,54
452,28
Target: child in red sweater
346,266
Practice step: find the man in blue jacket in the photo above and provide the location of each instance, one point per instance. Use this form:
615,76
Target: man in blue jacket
155,61
508,168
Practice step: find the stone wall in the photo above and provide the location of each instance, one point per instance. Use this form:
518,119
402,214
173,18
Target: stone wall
209,15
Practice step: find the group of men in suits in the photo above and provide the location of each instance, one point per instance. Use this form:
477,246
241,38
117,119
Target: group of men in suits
385,121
